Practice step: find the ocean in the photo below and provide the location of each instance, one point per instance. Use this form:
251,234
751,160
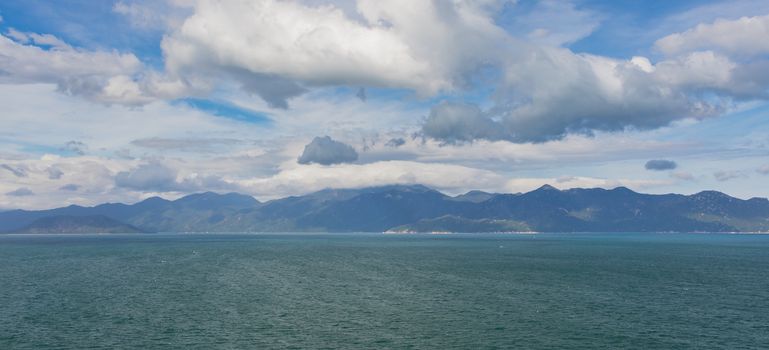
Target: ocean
372,291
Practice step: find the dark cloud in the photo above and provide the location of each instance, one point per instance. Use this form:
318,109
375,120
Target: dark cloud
274,90
76,147
325,151
395,142
17,171
184,144
69,187
660,165
54,173
20,192
454,123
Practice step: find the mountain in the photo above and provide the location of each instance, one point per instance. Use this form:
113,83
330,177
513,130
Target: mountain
416,208
474,196
78,224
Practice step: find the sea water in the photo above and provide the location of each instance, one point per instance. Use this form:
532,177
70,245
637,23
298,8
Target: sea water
362,291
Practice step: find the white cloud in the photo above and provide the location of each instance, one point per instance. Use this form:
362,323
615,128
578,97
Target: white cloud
152,15
296,179
275,48
549,93
741,36
59,119
98,75
108,77
555,23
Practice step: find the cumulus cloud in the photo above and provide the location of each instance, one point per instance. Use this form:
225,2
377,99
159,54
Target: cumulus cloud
326,151
740,37
548,93
20,192
104,76
279,50
660,165
276,48
452,122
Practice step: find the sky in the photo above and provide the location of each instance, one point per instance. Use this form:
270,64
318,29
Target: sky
118,101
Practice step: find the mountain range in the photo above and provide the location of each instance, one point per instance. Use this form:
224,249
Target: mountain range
410,208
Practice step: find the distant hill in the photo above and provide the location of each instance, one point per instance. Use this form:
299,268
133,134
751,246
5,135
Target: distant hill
78,224
410,208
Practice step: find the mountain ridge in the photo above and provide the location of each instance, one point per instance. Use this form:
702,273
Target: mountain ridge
410,208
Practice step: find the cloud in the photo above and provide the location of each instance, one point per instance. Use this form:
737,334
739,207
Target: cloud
103,76
726,175
148,177
185,144
660,165
361,94
553,22
123,153
299,179
75,147
453,122
151,15
54,173
20,192
763,170
548,93
16,171
157,177
738,37
276,48
395,142
325,151
69,187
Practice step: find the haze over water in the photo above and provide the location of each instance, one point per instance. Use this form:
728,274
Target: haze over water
575,291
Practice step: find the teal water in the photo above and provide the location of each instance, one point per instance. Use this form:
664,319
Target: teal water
634,291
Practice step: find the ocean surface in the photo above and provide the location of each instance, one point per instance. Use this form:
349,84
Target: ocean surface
366,291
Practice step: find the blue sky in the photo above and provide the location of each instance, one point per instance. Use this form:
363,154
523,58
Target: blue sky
501,96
